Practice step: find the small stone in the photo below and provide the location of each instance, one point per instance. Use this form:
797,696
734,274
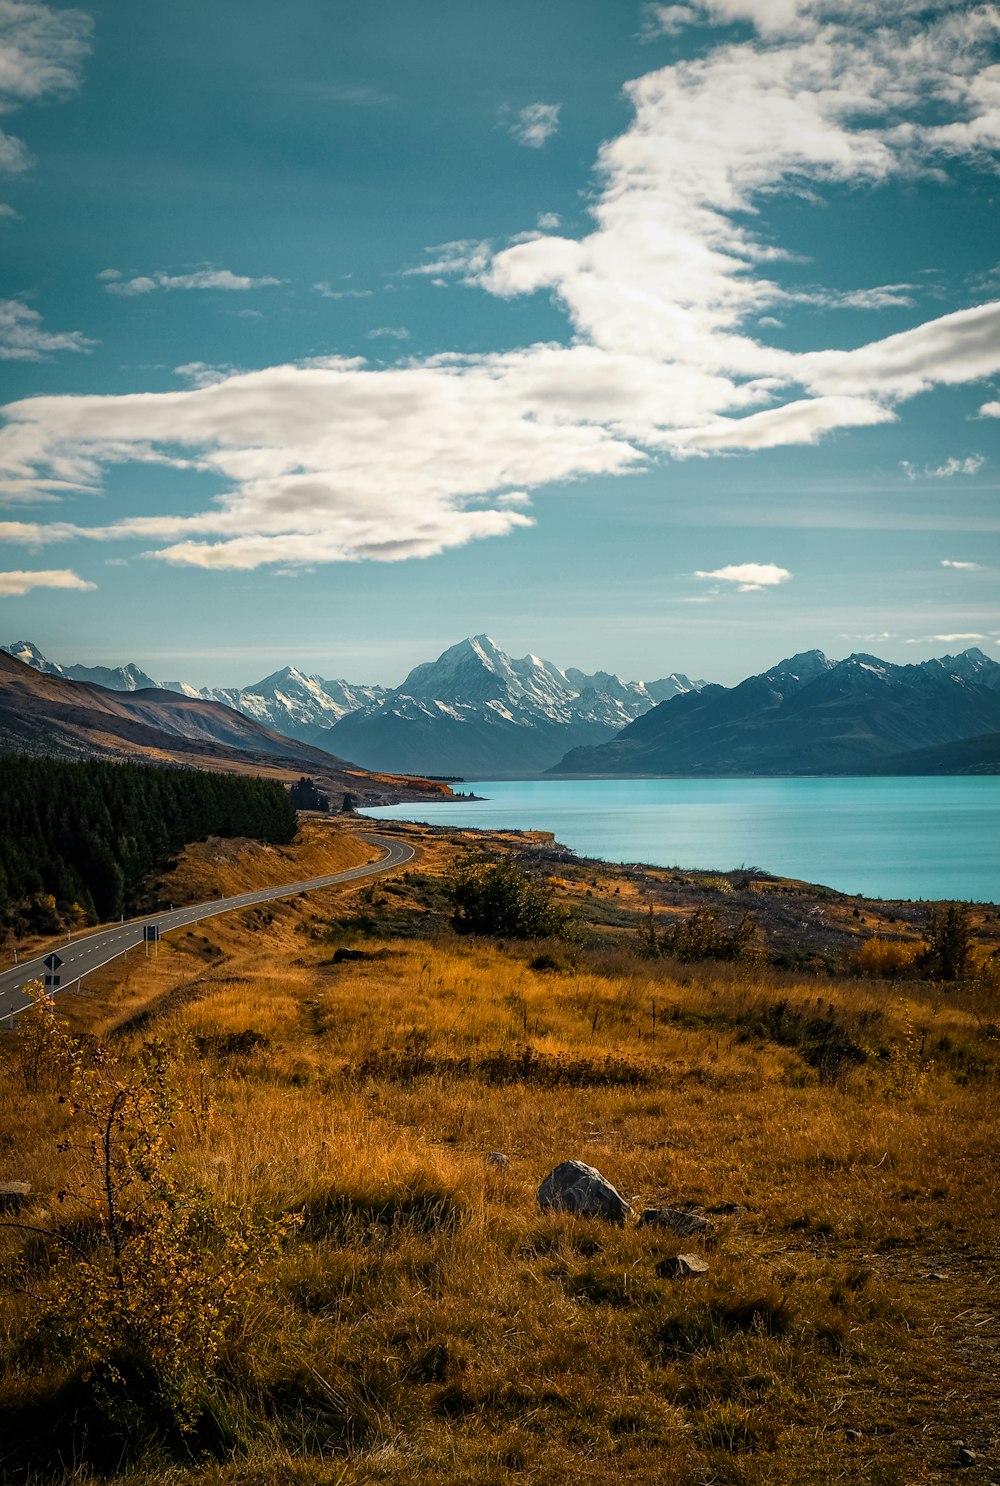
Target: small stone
678,1220
967,1456
853,1435
575,1187
498,1159
682,1267
14,1196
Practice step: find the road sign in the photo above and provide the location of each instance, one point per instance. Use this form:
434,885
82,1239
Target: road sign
52,962
51,982
151,932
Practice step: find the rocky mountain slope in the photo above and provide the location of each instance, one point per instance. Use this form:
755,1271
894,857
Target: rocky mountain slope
49,715
476,711
807,715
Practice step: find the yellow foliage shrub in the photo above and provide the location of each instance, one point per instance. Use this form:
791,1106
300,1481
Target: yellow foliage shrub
883,958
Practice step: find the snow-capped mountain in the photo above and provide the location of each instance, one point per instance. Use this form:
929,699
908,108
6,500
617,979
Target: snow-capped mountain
291,702
476,711
115,678
473,711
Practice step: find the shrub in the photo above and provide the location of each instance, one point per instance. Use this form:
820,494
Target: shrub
144,1308
883,958
499,899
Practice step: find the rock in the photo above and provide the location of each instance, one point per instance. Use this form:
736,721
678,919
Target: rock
498,1159
675,1218
852,1435
575,1187
14,1196
967,1456
682,1267
342,954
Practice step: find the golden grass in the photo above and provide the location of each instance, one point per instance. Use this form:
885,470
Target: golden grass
433,1325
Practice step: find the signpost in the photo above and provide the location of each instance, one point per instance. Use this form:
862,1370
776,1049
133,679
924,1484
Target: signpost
151,936
53,964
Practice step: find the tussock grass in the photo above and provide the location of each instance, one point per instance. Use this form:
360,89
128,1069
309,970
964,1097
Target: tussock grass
429,1324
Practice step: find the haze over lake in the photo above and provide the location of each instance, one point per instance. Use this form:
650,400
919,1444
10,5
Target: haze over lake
886,838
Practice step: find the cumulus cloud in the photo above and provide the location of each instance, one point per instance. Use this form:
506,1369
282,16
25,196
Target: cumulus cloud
964,567
990,410
970,465
23,337
749,577
535,124
203,278
667,296
41,53
389,332
17,582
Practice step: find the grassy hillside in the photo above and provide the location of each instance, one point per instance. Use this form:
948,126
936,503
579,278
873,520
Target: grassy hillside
426,1322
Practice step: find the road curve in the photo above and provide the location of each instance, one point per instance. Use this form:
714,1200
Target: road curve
88,953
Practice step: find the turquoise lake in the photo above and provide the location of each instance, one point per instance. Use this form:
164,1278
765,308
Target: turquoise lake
883,838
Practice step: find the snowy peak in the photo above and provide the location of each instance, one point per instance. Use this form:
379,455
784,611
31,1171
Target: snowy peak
30,655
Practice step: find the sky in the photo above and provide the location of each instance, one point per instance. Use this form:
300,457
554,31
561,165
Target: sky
643,337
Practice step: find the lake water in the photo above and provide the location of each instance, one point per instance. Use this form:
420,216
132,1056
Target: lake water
883,838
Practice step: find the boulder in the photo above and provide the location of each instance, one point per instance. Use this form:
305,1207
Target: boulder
14,1196
677,1219
575,1187
682,1267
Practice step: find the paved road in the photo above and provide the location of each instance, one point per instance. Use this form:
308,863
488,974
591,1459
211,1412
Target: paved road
90,951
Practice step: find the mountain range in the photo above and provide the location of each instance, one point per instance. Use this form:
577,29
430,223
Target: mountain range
474,711
48,714
811,715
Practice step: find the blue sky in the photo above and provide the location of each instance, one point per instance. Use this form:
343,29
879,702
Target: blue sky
646,337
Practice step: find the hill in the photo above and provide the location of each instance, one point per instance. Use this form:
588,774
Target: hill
808,715
46,715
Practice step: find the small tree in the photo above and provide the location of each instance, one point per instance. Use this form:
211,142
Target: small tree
500,899
949,942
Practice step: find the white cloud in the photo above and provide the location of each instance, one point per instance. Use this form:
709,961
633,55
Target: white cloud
667,298
946,639
326,291
14,584
22,337
970,465
990,410
964,567
389,332
203,278
466,257
749,577
8,214
548,221
41,53
535,124
664,20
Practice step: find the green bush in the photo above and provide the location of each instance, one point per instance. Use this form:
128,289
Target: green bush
499,899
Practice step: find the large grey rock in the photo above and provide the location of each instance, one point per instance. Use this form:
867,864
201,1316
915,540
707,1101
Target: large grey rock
677,1219
575,1187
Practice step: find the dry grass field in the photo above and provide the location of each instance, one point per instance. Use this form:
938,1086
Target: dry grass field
425,1322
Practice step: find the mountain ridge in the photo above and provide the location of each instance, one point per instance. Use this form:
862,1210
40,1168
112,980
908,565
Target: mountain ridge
807,715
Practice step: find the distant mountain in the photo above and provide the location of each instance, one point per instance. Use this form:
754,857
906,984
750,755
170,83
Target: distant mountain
476,711
52,716
298,705
472,711
115,678
807,715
